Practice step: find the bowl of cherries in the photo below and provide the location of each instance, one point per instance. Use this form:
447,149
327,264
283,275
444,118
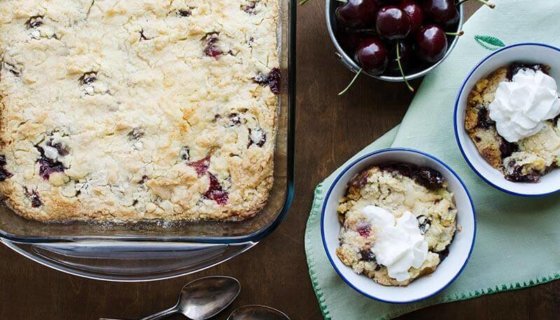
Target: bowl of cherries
394,40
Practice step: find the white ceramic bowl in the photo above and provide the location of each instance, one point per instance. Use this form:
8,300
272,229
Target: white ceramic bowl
459,250
523,52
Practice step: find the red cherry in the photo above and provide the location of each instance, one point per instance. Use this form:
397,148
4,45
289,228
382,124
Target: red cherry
364,230
215,191
357,13
414,12
392,23
405,52
431,43
444,12
201,166
372,56
349,41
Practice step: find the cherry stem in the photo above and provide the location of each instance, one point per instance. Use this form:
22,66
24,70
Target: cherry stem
351,82
401,68
484,2
456,34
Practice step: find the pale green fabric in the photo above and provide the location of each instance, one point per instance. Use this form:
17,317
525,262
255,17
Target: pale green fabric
518,239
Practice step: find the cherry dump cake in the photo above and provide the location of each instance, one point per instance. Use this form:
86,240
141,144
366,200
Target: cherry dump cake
398,221
138,110
512,118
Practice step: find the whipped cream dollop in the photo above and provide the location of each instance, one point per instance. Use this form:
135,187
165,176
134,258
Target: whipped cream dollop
399,244
521,106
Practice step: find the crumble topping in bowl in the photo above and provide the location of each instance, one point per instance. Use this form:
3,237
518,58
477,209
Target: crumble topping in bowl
512,118
397,223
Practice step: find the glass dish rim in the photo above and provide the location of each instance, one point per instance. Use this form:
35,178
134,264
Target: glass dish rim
255,236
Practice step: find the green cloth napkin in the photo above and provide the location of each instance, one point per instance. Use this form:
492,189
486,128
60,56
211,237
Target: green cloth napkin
518,239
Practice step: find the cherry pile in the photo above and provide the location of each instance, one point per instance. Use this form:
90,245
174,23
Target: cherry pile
397,37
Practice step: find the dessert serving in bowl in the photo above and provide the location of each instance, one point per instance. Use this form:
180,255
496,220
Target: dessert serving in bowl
506,119
398,225
144,130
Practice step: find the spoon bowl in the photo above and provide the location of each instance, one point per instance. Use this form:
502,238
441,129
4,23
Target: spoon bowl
206,297
257,312
202,299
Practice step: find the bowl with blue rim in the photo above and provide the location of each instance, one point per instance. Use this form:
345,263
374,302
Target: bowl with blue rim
459,250
511,177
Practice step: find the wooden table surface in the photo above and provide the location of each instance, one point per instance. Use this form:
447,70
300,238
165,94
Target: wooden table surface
329,130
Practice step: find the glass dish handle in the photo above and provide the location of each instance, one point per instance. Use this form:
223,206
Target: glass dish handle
129,261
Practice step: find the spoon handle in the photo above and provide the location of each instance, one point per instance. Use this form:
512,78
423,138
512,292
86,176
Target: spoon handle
161,314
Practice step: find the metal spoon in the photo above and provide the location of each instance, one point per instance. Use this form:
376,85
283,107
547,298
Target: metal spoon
257,312
203,298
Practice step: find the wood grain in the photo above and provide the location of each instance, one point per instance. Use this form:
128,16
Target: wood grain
330,129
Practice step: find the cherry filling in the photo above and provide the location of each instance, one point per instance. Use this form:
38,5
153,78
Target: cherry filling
88,78
215,191
201,166
33,195
234,119
34,22
367,255
257,137
250,7
212,49
507,148
185,12
515,173
427,177
359,181
443,254
60,148
48,166
364,230
4,174
483,119
135,134
272,79
517,66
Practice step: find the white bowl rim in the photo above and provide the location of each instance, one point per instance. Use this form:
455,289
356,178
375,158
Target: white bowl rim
456,125
365,157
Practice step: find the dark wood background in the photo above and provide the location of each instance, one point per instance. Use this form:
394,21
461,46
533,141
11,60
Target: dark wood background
330,129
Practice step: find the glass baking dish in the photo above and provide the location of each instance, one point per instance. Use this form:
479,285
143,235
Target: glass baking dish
153,251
